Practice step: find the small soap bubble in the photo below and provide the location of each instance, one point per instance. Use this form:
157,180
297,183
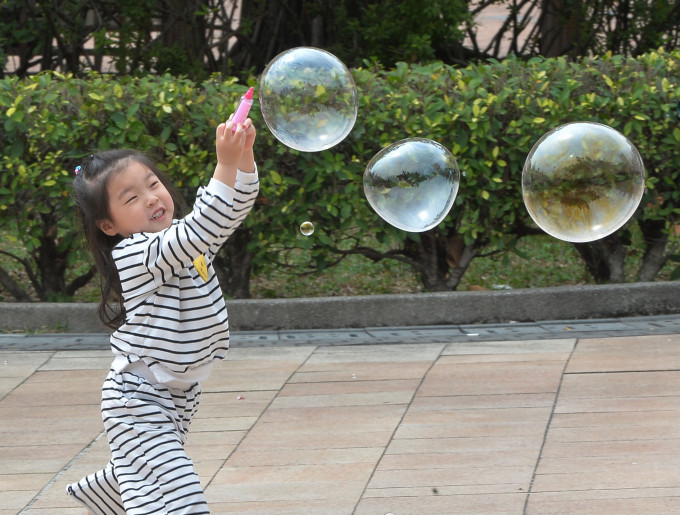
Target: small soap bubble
308,99
582,181
307,228
412,183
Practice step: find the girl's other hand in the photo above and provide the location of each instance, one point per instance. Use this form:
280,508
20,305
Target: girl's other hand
247,162
251,133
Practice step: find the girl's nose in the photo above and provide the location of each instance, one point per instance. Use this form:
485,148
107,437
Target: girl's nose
151,200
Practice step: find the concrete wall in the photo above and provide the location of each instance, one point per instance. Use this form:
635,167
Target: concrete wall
448,308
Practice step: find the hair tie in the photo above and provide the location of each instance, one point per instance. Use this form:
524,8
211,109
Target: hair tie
77,169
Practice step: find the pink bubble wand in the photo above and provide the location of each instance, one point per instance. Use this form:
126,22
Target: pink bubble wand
243,108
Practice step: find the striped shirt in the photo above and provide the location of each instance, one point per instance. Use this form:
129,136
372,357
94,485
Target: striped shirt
176,322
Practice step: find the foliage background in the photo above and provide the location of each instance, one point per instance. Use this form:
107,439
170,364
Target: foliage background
489,115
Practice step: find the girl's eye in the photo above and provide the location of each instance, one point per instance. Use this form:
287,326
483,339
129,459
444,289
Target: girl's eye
154,184
130,199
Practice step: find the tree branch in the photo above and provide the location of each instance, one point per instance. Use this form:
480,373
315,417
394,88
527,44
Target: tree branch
375,255
80,281
34,280
13,287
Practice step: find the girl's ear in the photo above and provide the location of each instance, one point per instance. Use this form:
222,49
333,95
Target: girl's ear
107,227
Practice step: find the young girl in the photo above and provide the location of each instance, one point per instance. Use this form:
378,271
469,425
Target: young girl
171,322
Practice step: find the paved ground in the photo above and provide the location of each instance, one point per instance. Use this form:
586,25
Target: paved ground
558,417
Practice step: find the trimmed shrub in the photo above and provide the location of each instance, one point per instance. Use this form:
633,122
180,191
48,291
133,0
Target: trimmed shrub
488,115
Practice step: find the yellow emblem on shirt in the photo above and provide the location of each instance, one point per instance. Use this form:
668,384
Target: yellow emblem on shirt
201,267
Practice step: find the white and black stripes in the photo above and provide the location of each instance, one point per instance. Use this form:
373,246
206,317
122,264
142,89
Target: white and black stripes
149,471
99,492
175,318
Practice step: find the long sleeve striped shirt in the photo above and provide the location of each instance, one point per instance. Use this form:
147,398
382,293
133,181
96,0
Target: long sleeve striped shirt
176,322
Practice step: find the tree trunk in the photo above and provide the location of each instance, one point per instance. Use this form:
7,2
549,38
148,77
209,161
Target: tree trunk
233,265
183,33
51,267
429,252
467,254
655,256
604,259
557,27
442,259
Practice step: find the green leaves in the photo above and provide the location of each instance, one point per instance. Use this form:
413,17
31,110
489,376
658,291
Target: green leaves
489,115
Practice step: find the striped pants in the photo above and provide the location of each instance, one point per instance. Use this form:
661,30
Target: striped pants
149,471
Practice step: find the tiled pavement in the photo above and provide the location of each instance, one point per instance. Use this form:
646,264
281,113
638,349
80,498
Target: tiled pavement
563,417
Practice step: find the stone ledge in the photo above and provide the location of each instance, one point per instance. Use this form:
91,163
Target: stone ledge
420,309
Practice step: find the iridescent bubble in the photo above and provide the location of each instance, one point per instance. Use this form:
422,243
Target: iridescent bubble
412,183
308,99
582,181
307,228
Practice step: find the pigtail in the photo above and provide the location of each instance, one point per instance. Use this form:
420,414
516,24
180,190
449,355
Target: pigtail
111,308
90,192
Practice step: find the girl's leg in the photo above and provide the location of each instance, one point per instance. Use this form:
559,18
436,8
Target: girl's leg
99,493
146,426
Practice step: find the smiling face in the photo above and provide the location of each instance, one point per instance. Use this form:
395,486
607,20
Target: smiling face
138,202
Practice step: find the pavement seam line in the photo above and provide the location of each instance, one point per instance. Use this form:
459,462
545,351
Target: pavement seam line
292,374
61,472
37,369
547,426
398,424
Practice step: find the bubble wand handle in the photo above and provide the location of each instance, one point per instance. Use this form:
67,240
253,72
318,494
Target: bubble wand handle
243,108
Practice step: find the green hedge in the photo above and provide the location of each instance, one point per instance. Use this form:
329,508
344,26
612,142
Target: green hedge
489,115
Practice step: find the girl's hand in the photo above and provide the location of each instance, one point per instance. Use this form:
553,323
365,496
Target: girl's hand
228,143
229,146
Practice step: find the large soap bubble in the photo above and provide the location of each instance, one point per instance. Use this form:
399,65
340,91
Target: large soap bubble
582,181
308,99
412,183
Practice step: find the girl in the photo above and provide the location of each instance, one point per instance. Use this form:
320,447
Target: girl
171,322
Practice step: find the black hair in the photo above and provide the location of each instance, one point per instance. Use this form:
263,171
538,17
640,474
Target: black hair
90,188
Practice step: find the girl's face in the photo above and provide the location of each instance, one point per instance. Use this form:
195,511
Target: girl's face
138,202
